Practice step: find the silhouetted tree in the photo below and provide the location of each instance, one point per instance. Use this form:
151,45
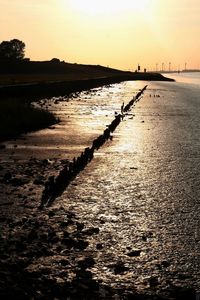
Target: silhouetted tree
55,60
12,50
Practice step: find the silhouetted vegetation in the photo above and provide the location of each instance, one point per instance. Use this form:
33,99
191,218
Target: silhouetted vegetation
18,117
55,66
22,79
60,70
12,50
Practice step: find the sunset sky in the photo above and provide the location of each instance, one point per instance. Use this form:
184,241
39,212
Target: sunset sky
115,33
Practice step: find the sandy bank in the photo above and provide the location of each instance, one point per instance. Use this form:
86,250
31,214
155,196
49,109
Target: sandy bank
48,89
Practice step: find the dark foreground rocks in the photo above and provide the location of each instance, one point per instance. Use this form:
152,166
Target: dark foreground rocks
45,256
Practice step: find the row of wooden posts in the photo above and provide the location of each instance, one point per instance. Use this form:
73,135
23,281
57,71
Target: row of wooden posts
56,185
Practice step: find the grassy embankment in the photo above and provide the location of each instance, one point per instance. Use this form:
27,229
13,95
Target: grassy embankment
17,115
23,82
47,72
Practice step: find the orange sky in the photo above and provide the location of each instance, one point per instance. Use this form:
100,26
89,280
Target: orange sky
118,33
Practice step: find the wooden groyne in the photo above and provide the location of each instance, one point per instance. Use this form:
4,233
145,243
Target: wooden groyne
55,186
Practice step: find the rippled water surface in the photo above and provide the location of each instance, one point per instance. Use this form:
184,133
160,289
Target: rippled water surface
142,188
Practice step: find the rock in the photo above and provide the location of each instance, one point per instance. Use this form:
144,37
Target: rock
134,253
18,181
64,262
120,268
7,176
144,238
43,237
64,161
7,203
24,220
165,264
64,223
84,286
66,234
79,226
71,229
51,234
91,231
99,246
87,262
68,242
39,180
153,281
81,244
184,293
20,196
2,146
70,215
183,276
102,222
51,213
20,246
32,235
55,240
45,162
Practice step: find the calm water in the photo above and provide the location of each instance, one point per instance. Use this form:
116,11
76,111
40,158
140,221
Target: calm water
142,189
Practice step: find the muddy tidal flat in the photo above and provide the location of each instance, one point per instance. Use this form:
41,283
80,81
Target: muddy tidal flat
126,225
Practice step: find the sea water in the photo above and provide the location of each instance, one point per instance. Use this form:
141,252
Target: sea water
142,189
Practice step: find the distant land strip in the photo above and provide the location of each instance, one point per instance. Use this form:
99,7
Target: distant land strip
34,91
34,80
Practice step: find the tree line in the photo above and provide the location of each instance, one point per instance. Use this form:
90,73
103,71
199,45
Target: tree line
13,50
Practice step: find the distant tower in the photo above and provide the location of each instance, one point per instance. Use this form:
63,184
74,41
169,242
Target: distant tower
169,66
163,65
138,68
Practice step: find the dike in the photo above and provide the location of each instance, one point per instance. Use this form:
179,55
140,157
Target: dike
37,91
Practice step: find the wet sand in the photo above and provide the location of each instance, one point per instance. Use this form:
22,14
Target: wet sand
58,251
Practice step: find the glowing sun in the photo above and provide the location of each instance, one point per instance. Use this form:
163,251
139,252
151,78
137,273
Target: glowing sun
96,7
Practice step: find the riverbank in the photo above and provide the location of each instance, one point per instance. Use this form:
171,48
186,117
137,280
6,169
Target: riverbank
25,85
34,91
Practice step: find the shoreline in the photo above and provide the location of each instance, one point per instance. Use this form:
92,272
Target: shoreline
51,89
25,93
46,254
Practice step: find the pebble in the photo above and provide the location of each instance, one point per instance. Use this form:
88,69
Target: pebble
87,262
18,181
134,253
99,246
39,180
81,244
120,268
153,281
91,231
